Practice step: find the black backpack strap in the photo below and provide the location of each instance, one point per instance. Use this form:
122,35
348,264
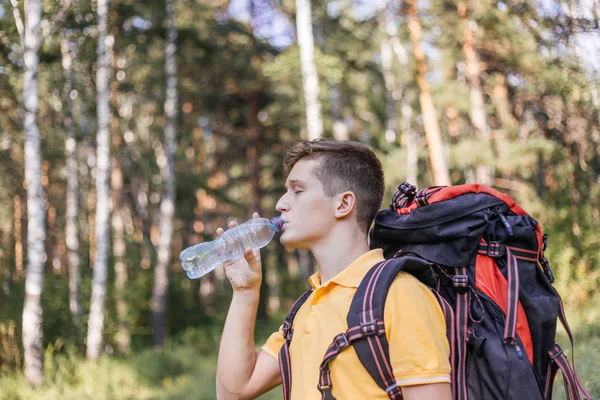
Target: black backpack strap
285,366
558,360
461,286
366,314
354,335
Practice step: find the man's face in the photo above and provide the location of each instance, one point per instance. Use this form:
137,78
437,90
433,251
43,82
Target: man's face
308,213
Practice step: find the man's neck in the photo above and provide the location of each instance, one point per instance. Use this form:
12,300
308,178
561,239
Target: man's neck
338,251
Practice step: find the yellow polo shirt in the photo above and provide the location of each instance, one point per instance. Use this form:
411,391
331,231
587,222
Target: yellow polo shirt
415,330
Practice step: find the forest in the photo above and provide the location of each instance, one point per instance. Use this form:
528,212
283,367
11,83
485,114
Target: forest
130,130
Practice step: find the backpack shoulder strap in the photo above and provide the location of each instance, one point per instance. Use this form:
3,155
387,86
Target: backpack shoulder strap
285,366
366,312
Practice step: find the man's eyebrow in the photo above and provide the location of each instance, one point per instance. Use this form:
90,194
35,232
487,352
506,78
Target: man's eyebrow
295,182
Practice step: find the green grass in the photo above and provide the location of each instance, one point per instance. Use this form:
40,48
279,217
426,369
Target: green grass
185,369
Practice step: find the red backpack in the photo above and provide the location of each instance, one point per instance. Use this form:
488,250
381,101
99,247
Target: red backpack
483,257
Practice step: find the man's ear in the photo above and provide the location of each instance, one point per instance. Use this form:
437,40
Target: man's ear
346,202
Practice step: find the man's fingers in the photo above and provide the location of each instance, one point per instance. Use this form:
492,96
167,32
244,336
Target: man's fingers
220,231
255,215
252,257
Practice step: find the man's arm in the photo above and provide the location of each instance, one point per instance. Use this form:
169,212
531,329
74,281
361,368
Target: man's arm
242,373
434,391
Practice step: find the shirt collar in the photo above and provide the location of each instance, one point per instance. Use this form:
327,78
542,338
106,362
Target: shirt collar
353,273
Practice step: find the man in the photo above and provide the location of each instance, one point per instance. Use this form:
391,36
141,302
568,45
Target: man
334,191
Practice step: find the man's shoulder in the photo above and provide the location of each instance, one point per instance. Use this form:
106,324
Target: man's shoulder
407,289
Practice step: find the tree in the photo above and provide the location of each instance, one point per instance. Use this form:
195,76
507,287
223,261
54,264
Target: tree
310,78
430,120
166,163
72,198
483,170
36,229
104,57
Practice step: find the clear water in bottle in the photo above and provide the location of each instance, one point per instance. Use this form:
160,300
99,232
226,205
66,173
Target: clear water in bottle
202,258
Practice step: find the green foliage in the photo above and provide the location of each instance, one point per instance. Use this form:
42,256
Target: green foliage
545,152
184,369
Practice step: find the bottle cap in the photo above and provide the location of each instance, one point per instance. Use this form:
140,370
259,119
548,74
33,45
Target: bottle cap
277,223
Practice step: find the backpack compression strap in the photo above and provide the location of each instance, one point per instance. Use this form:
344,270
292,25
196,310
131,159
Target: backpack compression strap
285,366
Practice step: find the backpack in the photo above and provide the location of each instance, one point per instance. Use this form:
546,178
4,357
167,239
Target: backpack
483,258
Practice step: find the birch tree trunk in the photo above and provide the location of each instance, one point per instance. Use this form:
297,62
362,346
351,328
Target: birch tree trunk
388,46
390,86
119,210
167,166
483,169
310,79
36,229
72,212
430,119
96,318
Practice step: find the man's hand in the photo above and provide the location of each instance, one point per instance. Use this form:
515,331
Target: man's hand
241,373
245,273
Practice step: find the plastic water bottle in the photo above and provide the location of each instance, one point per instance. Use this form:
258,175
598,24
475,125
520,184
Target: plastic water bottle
200,259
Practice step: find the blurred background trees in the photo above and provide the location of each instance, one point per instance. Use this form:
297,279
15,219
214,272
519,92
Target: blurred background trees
147,125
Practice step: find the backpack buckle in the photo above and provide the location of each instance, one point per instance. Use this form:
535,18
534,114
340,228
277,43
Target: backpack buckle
407,189
461,283
547,270
369,328
403,196
287,330
341,342
495,249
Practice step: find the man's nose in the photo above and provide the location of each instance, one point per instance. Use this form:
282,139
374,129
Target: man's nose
282,205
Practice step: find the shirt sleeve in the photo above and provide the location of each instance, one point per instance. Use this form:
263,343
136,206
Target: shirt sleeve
274,344
416,332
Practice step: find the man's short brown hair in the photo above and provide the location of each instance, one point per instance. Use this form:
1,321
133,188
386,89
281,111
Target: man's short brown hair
344,165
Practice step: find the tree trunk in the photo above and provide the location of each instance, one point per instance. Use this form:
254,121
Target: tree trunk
339,129
412,150
483,172
36,230
390,45
502,103
253,158
430,120
306,265
72,198
167,166
18,233
119,247
123,337
597,13
96,318
310,79
473,72
119,212
390,86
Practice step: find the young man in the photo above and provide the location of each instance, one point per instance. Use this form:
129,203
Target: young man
334,191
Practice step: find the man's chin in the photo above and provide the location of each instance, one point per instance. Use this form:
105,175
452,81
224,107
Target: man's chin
289,242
